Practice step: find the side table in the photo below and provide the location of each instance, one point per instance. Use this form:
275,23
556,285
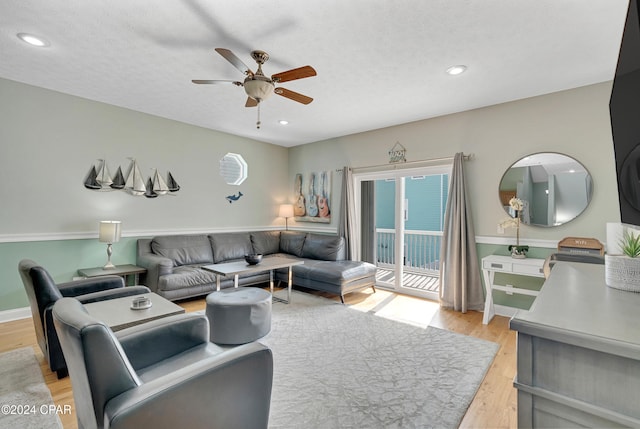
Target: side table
118,314
124,271
493,264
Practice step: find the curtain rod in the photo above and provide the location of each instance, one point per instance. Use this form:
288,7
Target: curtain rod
401,164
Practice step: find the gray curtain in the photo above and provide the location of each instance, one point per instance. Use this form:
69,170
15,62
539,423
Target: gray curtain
368,227
460,285
346,223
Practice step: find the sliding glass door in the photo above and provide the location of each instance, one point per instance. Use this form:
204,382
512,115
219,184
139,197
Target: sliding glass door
408,214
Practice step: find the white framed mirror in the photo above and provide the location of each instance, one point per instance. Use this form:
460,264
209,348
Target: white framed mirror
554,188
233,169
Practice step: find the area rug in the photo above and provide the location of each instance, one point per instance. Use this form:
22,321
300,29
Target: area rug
336,367
25,400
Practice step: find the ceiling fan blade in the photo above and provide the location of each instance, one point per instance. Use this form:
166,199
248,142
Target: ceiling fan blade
207,81
251,102
299,73
237,63
292,95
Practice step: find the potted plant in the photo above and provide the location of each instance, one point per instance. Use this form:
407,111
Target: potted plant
517,251
623,271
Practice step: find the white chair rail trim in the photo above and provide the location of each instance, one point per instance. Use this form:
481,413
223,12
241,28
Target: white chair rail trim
549,244
53,236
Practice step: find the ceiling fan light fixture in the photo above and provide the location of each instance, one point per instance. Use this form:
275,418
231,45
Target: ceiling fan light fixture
258,88
456,70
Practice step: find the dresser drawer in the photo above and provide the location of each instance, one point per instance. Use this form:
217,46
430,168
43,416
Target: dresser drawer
528,269
497,266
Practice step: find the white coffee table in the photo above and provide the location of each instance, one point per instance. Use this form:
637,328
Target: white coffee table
117,313
237,268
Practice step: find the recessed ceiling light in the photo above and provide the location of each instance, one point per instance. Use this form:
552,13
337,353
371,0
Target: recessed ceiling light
283,122
33,40
456,70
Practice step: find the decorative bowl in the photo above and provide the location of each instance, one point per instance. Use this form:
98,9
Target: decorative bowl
253,258
141,303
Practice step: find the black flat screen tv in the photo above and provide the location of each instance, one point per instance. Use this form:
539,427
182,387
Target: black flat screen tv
624,108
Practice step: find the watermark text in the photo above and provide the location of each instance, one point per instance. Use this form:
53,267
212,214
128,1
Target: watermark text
25,409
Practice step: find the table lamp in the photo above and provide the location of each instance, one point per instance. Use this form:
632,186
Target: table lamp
109,233
286,211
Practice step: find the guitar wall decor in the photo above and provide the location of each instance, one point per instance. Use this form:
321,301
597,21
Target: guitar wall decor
323,200
311,195
299,207
312,207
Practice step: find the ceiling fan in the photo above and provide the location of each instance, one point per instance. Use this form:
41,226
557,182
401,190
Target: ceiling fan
258,86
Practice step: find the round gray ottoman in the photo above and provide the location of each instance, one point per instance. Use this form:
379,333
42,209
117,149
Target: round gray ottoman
238,316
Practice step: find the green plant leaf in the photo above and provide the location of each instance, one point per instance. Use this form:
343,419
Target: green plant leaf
630,244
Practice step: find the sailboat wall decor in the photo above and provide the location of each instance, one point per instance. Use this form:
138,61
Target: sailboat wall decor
150,193
158,184
103,176
118,180
134,183
90,181
99,179
171,183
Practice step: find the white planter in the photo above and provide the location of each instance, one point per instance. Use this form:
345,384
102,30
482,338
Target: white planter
622,272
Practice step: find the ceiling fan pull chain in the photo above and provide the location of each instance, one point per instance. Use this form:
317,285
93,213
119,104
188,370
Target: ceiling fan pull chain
258,123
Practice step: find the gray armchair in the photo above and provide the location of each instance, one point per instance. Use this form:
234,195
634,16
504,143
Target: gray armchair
43,292
161,374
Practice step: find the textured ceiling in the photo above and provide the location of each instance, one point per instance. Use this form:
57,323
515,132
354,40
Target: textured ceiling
379,62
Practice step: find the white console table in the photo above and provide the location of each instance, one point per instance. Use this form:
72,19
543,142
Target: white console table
493,264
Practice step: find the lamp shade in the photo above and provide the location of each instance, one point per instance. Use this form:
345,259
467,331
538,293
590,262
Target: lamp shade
109,231
286,210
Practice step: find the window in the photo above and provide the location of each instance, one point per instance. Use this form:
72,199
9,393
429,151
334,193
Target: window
233,169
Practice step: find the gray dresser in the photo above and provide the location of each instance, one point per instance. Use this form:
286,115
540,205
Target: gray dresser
579,352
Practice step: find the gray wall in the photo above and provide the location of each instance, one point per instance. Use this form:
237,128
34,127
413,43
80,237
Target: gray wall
574,122
48,141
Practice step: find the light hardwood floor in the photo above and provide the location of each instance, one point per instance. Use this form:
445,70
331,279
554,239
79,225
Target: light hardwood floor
494,405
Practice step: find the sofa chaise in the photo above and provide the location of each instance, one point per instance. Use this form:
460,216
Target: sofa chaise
174,262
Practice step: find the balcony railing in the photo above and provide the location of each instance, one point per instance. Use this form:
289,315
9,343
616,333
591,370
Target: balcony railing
421,249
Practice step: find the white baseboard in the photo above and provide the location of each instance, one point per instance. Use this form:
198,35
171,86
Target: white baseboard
15,314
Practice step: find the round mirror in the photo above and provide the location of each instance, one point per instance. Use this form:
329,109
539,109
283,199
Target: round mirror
553,187
233,169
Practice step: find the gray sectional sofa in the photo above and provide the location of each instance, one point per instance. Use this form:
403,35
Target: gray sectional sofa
174,262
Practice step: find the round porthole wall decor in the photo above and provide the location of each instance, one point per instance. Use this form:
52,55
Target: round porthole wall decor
233,169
